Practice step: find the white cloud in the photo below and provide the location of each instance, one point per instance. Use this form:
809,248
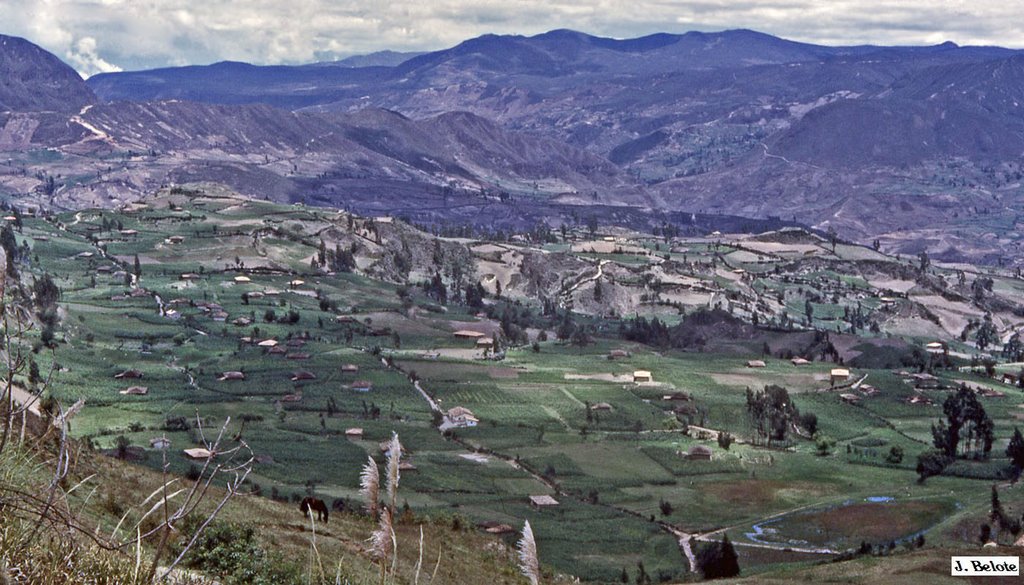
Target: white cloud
83,57
102,35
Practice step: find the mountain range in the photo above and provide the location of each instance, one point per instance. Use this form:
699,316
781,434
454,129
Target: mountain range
917,147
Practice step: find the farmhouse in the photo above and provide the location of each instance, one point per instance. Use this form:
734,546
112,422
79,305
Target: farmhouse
468,334
850,398
278,350
461,416
407,466
543,501
298,356
268,343
242,279
601,406
296,283
936,347
231,376
838,375
199,453
242,322
1010,379
303,375
641,376
296,397
190,276
135,391
160,443
362,385
128,375
756,364
349,369
699,453
799,361
618,354
175,239
354,433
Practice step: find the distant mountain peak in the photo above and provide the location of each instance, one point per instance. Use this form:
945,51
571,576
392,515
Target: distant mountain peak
33,79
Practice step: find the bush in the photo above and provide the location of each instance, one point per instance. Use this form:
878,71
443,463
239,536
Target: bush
232,553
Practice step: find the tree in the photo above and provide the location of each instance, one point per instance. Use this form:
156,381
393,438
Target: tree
771,411
987,334
930,463
137,267
895,455
1015,451
718,560
824,444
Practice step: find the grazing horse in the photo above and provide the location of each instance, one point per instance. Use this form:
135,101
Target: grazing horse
315,505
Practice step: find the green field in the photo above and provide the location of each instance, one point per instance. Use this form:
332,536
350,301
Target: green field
613,469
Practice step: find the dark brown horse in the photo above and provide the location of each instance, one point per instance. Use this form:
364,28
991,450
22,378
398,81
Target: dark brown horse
316,505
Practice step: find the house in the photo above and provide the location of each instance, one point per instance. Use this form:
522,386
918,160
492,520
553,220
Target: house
242,322
485,342
278,350
543,501
362,385
296,283
254,295
303,375
189,276
160,443
296,342
345,319
918,399
838,375
296,397
799,361
407,466
199,453
175,239
298,356
850,398
242,279
129,233
461,416
349,369
618,354
172,314
231,376
936,347
219,316
354,433
128,375
601,406
135,391
699,453
268,343
756,364
641,376
868,390
1010,379
467,334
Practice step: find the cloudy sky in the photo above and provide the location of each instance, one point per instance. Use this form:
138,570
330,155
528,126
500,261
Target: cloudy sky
110,35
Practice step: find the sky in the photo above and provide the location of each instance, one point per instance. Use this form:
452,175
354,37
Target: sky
96,36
